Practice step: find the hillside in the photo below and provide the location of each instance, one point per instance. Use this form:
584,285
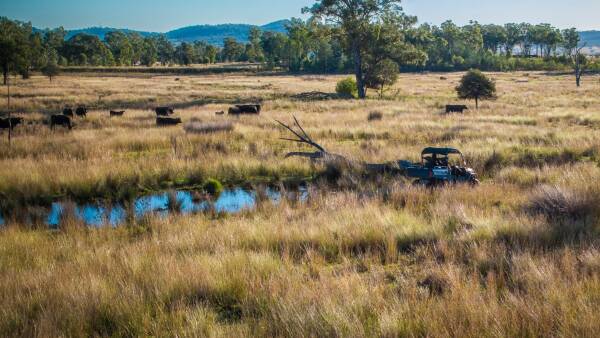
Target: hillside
102,31
213,34
591,37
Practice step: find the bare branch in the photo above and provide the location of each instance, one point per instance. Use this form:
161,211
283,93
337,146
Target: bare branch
305,138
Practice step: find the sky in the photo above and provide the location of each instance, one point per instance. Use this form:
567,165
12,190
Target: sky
165,15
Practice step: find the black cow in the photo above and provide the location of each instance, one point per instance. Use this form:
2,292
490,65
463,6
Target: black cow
249,108
60,120
167,121
68,112
245,109
456,108
117,113
164,111
10,122
81,111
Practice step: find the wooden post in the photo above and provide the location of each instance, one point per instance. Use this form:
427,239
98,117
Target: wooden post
9,114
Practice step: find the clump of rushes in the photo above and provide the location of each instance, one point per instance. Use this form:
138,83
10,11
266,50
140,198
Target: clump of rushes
213,187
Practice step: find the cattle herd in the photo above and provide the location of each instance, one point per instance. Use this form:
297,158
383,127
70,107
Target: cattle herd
163,116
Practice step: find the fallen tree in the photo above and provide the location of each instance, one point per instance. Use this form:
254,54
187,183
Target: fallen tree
324,156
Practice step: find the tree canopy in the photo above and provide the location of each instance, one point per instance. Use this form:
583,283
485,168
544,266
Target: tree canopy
360,36
476,86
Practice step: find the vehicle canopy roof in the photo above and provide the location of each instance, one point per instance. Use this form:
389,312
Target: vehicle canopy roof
440,151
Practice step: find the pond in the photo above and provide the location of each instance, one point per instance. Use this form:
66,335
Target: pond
230,201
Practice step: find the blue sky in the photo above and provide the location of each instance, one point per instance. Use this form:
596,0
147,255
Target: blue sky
161,15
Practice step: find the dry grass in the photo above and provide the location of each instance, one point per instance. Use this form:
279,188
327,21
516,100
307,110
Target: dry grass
516,256
208,128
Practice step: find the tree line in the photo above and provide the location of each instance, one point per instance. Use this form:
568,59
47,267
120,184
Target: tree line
374,39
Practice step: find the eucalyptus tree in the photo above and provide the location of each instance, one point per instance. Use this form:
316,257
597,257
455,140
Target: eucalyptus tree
355,18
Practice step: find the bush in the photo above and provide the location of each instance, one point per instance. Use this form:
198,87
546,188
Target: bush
375,116
559,203
213,187
347,88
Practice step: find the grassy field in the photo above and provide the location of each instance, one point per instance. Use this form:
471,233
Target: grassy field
516,256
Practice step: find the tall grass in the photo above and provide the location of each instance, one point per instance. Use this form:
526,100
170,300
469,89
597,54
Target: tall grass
364,256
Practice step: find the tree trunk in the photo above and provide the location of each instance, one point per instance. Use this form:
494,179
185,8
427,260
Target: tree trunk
476,103
360,83
9,113
5,73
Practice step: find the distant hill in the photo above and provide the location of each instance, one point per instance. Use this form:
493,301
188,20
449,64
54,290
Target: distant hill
213,34
591,37
102,31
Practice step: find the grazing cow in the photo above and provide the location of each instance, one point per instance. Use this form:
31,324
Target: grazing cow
60,120
68,112
164,111
116,113
167,121
81,111
234,111
245,109
249,108
10,122
456,108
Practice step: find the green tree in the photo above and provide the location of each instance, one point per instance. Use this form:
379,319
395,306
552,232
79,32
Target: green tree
494,36
83,48
34,57
138,47
513,37
51,70
254,50
211,54
164,49
150,52
383,74
14,43
120,47
299,44
476,86
388,48
570,40
579,62
274,47
232,50
184,54
55,38
354,18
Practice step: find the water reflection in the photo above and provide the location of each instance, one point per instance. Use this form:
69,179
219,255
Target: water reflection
186,202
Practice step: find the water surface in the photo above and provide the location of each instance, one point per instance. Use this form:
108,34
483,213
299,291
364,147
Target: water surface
230,201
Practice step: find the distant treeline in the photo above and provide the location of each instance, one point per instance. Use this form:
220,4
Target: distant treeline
308,46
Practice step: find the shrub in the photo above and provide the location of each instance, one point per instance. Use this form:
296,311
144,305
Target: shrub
375,116
213,186
347,88
559,203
